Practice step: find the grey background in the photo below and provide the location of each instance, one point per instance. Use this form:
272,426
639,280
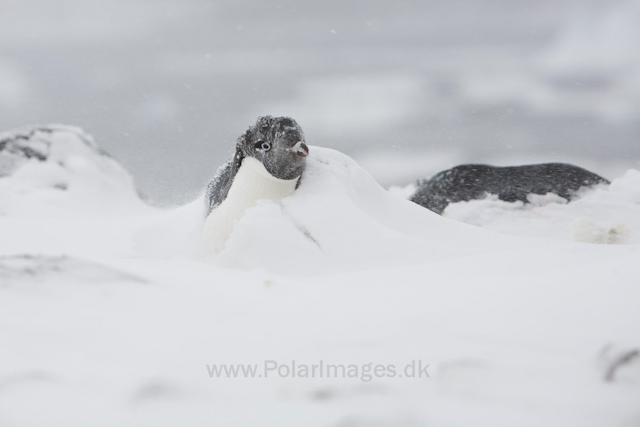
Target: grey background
406,87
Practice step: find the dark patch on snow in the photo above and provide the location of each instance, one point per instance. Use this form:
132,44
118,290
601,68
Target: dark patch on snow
35,143
156,391
60,186
616,359
29,377
510,184
38,268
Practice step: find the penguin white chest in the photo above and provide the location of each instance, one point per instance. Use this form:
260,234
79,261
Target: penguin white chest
252,183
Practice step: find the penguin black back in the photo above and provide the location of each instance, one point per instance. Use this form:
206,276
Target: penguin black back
510,184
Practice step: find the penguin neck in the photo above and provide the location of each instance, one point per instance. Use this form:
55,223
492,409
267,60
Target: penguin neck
252,182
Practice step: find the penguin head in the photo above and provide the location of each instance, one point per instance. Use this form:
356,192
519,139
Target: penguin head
278,143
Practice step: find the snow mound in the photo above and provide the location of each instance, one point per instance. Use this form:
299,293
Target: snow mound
605,214
52,169
173,233
340,219
506,323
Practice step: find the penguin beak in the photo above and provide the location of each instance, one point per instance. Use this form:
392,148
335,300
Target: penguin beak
300,149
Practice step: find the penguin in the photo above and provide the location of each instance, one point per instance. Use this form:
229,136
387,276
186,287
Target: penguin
268,163
510,183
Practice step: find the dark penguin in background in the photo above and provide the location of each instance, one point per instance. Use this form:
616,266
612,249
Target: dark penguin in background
268,163
510,184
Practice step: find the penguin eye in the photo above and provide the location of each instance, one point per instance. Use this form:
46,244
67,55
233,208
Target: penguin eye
262,145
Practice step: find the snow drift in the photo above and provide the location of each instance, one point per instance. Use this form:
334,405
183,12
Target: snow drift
120,316
340,219
605,214
54,169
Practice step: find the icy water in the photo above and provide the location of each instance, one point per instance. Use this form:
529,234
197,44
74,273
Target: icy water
407,88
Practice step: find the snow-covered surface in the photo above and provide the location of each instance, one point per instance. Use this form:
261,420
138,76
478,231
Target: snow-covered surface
252,183
57,169
602,210
112,320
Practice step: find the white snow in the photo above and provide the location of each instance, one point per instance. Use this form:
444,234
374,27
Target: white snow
113,319
252,183
598,212
72,177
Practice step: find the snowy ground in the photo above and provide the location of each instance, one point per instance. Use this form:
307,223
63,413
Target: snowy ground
606,214
113,317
